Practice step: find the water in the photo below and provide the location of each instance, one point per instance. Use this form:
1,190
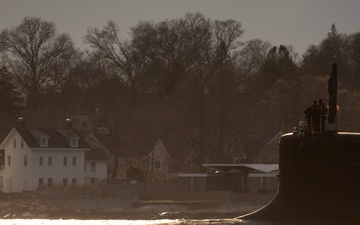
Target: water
117,222
162,222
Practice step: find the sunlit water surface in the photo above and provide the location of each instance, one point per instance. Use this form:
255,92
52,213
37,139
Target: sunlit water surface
113,222
164,221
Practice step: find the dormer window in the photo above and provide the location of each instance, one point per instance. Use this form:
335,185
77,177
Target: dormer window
74,142
43,142
40,137
70,136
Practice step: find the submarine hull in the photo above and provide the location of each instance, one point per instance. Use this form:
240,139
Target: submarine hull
319,179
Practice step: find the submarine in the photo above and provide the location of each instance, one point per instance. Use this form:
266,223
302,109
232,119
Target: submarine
319,170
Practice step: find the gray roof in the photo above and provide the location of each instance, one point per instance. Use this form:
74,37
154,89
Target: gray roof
56,139
248,167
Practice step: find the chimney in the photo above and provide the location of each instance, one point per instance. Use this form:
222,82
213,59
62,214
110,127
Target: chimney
68,123
21,122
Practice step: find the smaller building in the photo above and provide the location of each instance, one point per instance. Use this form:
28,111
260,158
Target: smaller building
96,161
152,162
246,178
231,182
253,181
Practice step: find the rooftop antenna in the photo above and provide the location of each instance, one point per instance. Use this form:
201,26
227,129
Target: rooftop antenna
332,90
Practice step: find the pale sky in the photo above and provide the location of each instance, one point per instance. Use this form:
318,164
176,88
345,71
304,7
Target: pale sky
289,22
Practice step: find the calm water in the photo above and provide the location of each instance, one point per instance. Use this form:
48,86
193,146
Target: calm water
165,221
113,222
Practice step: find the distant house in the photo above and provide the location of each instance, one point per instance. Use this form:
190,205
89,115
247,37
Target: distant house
152,162
160,168
148,158
36,158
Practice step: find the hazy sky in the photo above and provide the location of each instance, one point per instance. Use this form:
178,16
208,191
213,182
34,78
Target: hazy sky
296,22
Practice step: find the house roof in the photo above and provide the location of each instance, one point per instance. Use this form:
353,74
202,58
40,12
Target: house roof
141,147
96,154
248,167
56,137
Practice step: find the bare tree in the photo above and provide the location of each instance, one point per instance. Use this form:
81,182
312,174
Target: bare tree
253,55
120,54
168,47
214,48
120,95
184,55
37,56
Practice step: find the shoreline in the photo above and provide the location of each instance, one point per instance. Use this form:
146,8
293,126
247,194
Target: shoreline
144,210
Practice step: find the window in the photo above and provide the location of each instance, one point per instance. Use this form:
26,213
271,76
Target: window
25,160
65,161
41,161
93,180
73,181
14,143
50,183
74,142
22,143
43,142
157,164
9,160
74,161
41,182
65,181
49,161
92,167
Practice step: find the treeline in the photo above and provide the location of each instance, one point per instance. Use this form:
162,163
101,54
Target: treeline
190,80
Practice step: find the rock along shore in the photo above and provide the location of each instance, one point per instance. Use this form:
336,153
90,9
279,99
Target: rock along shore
116,209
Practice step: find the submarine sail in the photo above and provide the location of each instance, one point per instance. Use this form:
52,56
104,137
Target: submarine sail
319,171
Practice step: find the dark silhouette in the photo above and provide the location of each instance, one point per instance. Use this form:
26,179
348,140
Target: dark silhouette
315,116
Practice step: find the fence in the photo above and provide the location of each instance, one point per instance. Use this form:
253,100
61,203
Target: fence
142,191
64,194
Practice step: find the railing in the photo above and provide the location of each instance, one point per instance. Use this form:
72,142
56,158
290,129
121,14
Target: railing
315,124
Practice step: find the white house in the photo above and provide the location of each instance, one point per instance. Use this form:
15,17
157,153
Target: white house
35,158
95,166
96,161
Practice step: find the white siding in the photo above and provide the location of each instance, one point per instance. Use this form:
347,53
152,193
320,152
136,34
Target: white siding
99,174
57,171
13,175
19,177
